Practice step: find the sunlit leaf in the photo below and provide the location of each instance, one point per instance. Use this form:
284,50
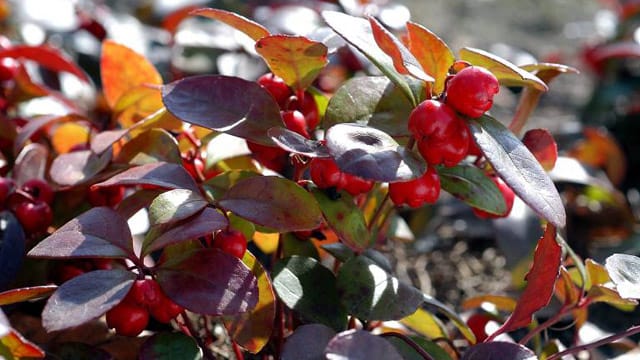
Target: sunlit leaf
68,135
345,218
77,167
296,143
161,174
432,53
624,271
31,163
471,185
175,205
254,30
360,344
26,294
542,145
502,303
19,347
47,57
36,124
426,324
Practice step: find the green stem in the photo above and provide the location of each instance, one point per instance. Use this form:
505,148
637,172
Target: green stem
609,339
409,342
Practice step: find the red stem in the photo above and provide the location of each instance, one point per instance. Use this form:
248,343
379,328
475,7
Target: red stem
609,339
237,351
552,320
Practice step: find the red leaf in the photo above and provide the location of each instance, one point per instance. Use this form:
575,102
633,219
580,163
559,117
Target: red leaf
403,61
46,57
543,147
249,27
173,20
28,293
541,281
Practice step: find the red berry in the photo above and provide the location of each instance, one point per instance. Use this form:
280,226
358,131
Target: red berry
276,86
325,173
296,122
271,157
416,192
194,166
67,272
231,241
128,319
309,108
165,309
6,188
443,137
471,91
8,69
508,196
145,292
35,217
355,185
105,196
39,190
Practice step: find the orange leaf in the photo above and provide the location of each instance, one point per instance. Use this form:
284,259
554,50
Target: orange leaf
23,294
295,59
599,149
173,20
238,22
68,135
123,69
543,147
433,54
403,60
19,347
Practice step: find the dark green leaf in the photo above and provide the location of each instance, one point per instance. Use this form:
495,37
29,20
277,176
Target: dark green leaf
409,353
345,218
473,186
175,205
169,346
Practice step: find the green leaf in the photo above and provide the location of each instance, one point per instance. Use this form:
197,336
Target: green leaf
373,101
169,346
175,205
370,293
518,168
273,202
309,288
453,316
409,353
473,186
345,218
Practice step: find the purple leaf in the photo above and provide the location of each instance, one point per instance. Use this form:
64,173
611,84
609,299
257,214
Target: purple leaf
85,298
161,174
31,163
99,232
307,342
210,282
227,104
102,141
296,143
361,345
77,167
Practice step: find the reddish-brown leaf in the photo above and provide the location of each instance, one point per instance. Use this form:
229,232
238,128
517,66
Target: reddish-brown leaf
249,27
403,60
432,53
543,147
173,20
46,57
28,293
541,281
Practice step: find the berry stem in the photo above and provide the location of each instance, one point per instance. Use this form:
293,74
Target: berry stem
409,342
528,102
609,339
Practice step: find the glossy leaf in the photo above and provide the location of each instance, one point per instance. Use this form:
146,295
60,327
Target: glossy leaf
204,223
150,146
360,344
296,143
167,346
307,342
372,154
12,247
372,101
222,103
99,232
541,281
122,69
309,288
273,202
357,32
252,29
228,288
507,73
175,205
403,60
518,168
131,204
498,350
597,273
471,185
543,147
345,218
161,174
19,347
432,53
47,57
624,271
26,294
252,330
604,294
31,163
218,185
86,297
296,59
77,167
371,293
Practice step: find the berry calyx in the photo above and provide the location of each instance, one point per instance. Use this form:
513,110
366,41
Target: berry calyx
471,91
231,241
443,137
508,196
295,121
39,190
35,217
127,318
416,192
276,86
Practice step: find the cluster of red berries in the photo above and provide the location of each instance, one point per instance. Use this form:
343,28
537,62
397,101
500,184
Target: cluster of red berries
325,174
299,114
230,241
67,270
30,203
145,298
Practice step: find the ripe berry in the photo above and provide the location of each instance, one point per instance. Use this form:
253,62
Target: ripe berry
35,216
355,185
443,137
67,272
471,91
8,69
128,319
276,86
416,192
39,190
508,196
6,188
270,157
145,292
105,196
296,122
164,309
309,108
231,241
325,173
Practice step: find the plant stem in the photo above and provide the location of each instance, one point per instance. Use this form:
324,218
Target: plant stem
409,342
237,351
207,354
552,320
609,339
